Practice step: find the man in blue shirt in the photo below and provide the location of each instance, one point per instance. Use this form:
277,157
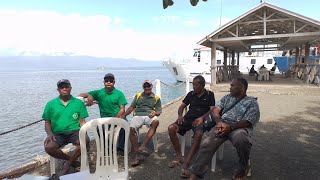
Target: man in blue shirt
240,114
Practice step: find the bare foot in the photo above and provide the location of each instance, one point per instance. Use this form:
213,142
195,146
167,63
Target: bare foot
66,167
241,173
176,162
143,151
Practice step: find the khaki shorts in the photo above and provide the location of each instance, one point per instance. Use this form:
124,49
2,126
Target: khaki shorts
138,121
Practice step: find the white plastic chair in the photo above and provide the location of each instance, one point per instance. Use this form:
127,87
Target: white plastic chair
263,74
187,137
107,161
53,161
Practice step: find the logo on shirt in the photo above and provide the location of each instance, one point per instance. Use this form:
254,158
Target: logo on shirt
75,115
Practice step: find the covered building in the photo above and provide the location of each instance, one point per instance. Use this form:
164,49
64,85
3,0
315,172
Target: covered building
266,27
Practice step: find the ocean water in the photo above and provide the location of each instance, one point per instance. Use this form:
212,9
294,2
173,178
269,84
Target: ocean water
25,93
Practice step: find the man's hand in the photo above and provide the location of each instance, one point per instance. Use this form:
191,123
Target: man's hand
198,121
222,129
90,101
152,114
49,139
179,120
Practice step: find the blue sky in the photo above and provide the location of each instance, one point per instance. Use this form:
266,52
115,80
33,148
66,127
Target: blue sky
122,28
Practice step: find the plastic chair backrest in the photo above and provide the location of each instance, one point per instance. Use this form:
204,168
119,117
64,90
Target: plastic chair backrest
106,142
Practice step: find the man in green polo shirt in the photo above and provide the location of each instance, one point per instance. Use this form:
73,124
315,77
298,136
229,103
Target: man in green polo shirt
111,102
147,108
63,117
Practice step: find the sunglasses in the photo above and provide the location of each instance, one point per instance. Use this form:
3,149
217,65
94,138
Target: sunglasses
147,86
64,86
109,80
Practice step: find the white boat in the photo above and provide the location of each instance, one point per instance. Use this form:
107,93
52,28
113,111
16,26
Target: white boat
201,61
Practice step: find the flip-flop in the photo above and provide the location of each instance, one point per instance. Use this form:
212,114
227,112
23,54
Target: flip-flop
174,164
54,177
143,152
185,173
241,173
75,164
136,162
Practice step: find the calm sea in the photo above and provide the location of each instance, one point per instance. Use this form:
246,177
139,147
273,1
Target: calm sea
25,93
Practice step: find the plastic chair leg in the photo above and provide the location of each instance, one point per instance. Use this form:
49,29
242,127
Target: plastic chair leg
182,144
52,165
213,162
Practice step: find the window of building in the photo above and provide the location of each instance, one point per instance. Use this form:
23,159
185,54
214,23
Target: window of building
269,61
219,61
175,70
195,54
253,61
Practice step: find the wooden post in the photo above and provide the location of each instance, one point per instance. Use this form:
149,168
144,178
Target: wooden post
290,58
238,60
232,58
225,57
306,53
213,64
297,55
300,55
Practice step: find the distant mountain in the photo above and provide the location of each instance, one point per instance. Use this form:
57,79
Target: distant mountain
67,62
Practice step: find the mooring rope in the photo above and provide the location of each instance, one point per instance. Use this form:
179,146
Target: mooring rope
6,132
171,85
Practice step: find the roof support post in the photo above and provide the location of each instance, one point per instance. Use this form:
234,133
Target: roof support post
238,59
297,55
213,64
306,53
232,58
300,53
290,58
264,22
225,57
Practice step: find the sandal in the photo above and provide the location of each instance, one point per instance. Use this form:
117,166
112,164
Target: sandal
174,163
54,177
136,162
185,173
76,166
241,173
143,152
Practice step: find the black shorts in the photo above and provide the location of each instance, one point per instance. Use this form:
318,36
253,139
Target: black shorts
63,139
187,125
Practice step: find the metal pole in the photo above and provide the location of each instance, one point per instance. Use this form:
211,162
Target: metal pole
187,85
158,88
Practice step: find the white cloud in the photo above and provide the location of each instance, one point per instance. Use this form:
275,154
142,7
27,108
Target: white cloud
48,32
191,23
166,19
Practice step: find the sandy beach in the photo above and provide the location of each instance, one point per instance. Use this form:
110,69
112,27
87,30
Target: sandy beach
286,142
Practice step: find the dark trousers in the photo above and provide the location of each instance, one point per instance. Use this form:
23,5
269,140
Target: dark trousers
210,144
121,140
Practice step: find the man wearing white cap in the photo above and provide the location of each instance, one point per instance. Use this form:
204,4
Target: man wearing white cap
147,107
